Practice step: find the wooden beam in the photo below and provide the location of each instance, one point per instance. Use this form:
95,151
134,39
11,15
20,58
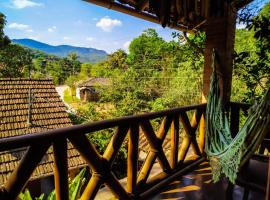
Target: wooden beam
241,4
133,12
220,33
142,4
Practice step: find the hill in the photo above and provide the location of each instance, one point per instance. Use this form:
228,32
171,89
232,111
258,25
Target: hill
85,54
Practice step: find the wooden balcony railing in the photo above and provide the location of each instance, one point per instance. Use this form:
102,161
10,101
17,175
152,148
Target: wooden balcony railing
127,128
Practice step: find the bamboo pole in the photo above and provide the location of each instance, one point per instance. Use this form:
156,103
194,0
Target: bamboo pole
133,151
202,134
115,144
174,142
92,187
99,165
156,145
151,156
60,169
190,130
22,173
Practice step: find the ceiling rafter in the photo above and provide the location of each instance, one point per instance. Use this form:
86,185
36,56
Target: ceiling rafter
140,14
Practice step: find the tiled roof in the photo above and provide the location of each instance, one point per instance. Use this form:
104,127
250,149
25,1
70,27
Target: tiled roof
47,112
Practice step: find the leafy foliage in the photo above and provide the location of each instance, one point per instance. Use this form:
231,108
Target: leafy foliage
75,187
15,61
252,63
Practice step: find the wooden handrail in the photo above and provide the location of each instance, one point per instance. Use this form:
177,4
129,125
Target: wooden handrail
138,184
26,140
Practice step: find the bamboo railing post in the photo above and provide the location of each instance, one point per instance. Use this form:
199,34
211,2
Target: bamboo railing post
99,165
155,145
151,156
174,142
191,128
115,144
92,187
184,147
202,133
60,169
22,173
133,151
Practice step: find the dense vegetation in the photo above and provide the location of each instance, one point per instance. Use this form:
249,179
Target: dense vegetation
155,74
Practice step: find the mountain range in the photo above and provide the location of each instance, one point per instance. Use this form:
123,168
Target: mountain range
90,55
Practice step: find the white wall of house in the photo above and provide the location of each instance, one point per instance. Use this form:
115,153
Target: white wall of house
78,93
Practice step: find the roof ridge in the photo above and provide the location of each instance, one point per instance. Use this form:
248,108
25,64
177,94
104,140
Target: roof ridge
26,79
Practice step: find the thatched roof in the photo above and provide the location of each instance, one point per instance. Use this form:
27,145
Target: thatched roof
47,112
184,15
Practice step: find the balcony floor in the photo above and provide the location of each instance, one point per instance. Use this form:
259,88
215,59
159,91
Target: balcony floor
198,185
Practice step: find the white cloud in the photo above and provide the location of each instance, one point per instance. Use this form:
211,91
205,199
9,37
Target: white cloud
20,4
66,38
107,24
52,29
29,30
21,27
90,39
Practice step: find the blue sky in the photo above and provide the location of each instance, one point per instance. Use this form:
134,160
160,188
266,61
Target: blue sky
73,22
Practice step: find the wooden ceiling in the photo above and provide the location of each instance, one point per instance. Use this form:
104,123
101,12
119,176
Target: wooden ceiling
183,15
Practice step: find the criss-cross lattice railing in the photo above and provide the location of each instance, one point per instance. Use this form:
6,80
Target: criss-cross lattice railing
139,183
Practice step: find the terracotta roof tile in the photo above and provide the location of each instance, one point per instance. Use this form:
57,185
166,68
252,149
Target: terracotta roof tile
48,112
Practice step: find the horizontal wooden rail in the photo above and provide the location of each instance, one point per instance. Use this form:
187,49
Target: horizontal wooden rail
26,140
139,183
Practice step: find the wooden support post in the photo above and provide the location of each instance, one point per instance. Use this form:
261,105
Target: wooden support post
220,32
267,196
235,114
22,173
60,169
133,151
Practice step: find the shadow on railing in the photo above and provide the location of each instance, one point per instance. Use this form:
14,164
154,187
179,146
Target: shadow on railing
138,185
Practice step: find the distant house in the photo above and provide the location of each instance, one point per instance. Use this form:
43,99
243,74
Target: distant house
31,106
89,90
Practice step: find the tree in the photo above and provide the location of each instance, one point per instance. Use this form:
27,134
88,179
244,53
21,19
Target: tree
4,40
252,65
75,65
15,61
